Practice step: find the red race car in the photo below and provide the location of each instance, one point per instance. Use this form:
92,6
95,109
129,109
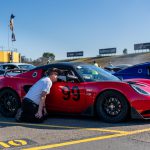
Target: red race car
81,89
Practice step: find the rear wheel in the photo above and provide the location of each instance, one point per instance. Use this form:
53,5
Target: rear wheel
9,103
112,107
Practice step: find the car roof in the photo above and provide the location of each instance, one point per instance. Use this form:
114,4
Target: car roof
138,65
60,64
124,65
142,64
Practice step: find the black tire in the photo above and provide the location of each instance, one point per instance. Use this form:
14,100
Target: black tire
112,107
9,103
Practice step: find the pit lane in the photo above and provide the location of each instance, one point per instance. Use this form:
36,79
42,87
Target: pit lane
63,132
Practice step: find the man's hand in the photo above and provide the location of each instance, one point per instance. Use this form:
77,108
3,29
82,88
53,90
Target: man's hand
38,115
45,111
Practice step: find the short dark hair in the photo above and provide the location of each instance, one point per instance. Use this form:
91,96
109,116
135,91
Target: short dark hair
52,71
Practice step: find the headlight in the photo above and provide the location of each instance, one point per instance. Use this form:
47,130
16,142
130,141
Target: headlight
139,90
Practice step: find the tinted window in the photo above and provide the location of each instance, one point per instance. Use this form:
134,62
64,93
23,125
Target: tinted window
9,67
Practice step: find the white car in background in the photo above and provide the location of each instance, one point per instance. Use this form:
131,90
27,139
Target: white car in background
8,66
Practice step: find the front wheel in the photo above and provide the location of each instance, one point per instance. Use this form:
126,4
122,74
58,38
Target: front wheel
9,103
112,107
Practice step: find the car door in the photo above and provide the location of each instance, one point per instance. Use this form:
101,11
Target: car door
66,96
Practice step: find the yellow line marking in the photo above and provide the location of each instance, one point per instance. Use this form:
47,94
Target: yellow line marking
4,145
139,131
74,142
19,142
67,127
105,130
87,140
13,143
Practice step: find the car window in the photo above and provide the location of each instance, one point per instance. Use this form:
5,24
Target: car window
2,72
4,67
91,73
65,75
9,67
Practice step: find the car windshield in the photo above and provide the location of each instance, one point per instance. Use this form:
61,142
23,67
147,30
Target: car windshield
92,73
28,67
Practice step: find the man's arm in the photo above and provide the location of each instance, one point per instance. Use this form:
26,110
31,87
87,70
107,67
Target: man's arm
39,114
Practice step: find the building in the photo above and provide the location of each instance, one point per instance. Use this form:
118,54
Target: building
9,56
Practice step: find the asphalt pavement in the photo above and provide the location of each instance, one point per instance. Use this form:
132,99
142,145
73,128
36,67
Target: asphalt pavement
74,133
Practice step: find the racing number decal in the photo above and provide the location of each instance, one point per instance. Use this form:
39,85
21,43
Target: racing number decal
76,93
67,93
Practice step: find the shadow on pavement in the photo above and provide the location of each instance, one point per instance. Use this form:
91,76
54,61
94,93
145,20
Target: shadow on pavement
65,122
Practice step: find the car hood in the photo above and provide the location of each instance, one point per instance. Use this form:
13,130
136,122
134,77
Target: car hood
138,81
143,84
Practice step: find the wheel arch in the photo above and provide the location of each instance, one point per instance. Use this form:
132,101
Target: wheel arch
97,97
8,88
9,109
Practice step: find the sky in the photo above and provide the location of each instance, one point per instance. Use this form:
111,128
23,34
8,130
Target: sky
61,26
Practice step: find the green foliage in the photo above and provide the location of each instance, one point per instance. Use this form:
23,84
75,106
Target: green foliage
125,51
48,55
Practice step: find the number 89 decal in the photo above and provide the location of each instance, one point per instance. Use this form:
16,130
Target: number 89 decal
67,92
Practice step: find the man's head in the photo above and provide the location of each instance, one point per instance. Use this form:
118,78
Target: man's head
53,74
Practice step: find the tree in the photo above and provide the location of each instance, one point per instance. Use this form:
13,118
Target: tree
125,51
49,56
